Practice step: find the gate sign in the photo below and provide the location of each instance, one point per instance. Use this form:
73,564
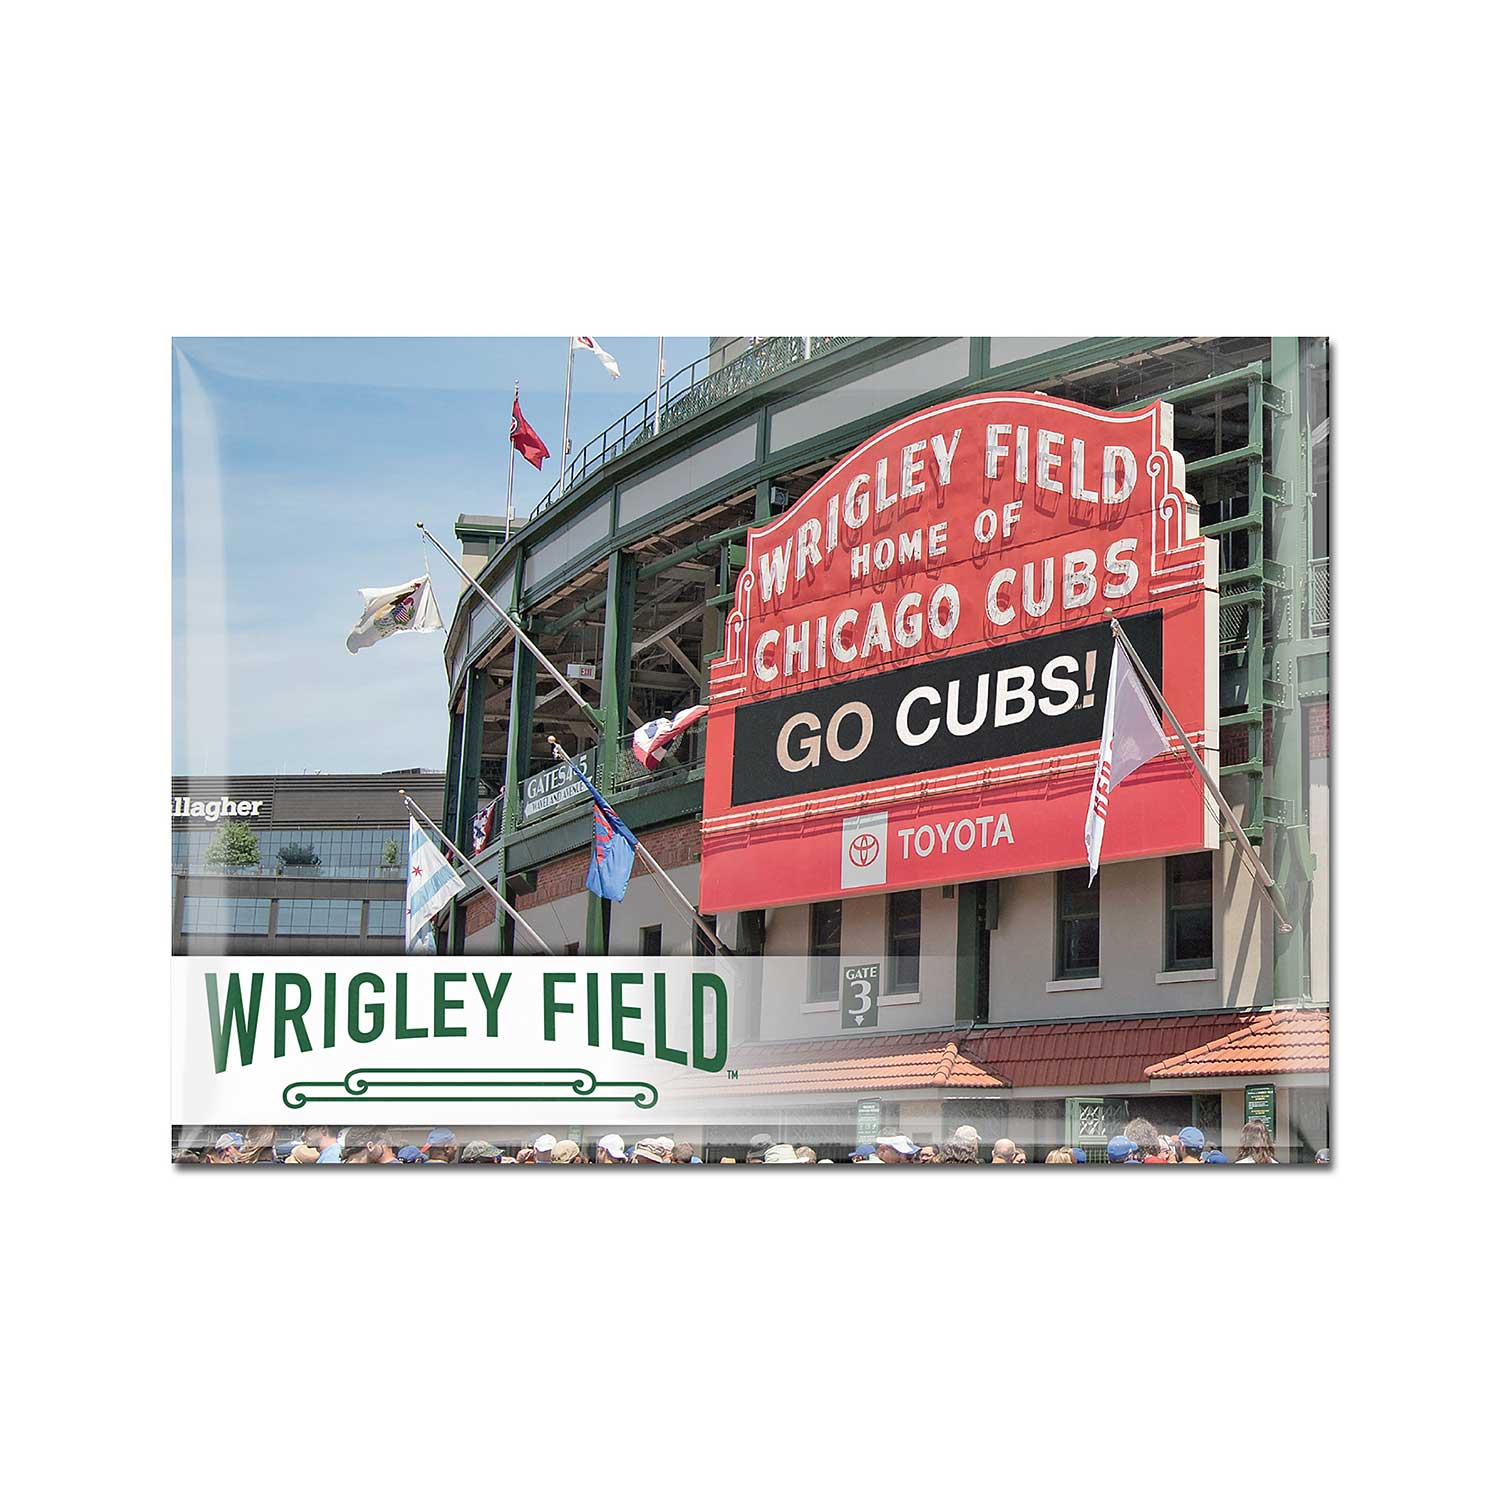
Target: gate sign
915,666
859,997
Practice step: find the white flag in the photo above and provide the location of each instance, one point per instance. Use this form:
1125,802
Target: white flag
581,341
431,882
408,606
1132,736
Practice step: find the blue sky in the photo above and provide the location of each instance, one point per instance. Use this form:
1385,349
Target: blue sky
300,467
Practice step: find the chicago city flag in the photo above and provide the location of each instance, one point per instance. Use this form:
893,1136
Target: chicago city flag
581,341
408,606
1132,736
430,882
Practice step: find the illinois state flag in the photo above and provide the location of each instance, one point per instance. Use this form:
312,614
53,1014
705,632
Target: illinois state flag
431,882
408,606
523,437
1132,736
614,848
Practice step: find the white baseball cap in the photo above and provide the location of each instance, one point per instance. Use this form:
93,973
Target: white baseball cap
544,1142
784,1155
902,1143
613,1145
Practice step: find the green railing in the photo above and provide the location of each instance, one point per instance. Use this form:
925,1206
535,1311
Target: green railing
693,389
682,762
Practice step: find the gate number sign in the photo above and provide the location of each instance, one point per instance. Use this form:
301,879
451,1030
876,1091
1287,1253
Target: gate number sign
860,997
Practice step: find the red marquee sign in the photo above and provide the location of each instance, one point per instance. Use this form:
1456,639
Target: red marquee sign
913,681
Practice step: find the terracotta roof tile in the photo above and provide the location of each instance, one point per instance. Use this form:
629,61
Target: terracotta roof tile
1078,1054
1284,1041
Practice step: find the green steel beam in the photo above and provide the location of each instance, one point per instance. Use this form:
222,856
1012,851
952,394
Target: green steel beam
1291,978
1227,460
614,693
1182,395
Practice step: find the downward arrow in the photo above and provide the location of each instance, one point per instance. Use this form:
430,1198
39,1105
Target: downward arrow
859,1020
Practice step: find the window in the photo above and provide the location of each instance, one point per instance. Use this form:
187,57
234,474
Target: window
903,927
824,948
651,942
318,918
226,914
387,919
1190,911
702,948
1077,925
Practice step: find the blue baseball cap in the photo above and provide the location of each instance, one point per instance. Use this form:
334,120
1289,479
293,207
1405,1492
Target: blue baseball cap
860,1153
1191,1137
1080,1156
411,1156
1215,1159
440,1137
1119,1148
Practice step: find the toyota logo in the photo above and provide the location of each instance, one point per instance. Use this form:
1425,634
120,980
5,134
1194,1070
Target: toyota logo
864,849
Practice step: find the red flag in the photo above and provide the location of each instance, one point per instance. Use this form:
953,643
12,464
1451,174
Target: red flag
523,437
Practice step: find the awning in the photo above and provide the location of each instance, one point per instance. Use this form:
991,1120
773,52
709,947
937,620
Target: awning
1283,1041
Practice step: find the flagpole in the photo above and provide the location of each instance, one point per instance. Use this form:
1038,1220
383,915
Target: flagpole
468,864
1262,875
562,476
662,878
661,368
510,478
504,617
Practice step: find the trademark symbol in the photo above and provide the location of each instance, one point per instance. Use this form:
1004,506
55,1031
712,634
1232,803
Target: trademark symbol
731,1074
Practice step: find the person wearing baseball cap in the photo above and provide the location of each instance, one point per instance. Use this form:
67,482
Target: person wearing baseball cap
441,1145
895,1149
411,1156
783,1154
861,1154
565,1154
610,1151
1215,1159
647,1154
759,1145
480,1151
1190,1141
1122,1152
544,1146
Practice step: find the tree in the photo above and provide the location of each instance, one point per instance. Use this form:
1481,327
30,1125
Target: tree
389,854
298,854
233,847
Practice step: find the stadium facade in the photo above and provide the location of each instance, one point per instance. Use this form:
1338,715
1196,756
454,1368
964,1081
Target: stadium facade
1035,1006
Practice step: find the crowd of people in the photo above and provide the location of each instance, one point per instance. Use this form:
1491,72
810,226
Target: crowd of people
1140,1144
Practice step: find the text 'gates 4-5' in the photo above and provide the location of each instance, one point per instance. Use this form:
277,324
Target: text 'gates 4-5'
913,680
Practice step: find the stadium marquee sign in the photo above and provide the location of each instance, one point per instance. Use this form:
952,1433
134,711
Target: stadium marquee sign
915,667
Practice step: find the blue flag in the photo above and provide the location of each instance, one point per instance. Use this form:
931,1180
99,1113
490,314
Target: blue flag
614,847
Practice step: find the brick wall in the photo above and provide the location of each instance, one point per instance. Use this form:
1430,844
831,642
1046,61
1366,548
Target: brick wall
1234,742
479,912
674,846
1317,732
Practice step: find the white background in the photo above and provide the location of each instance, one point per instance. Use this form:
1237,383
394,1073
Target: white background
874,168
